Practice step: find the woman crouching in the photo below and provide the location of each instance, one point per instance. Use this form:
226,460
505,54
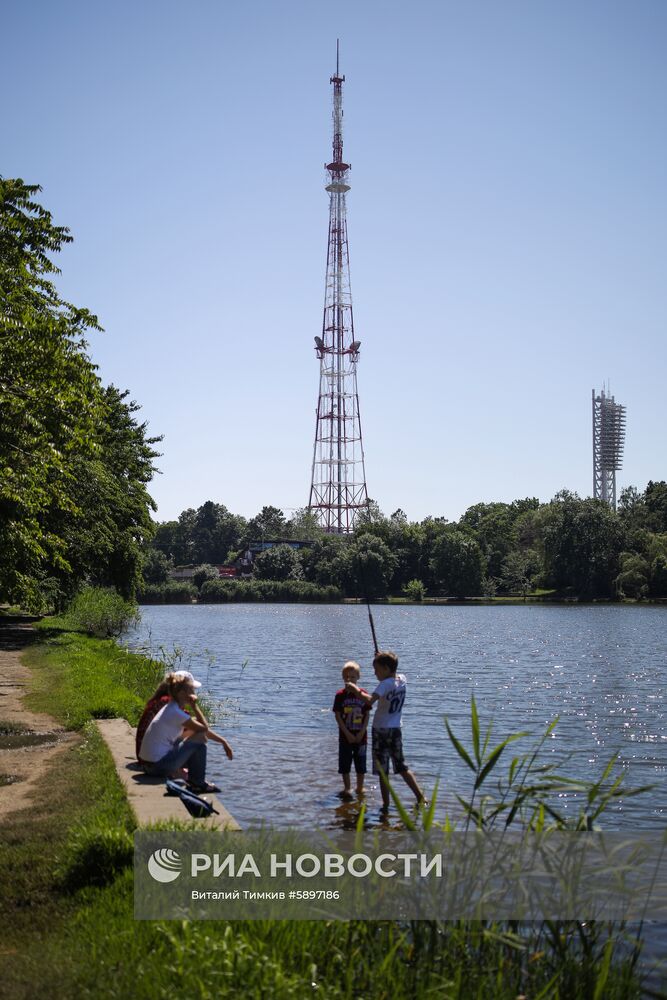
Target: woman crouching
174,740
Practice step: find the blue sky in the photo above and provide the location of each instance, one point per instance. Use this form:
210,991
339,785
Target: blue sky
507,225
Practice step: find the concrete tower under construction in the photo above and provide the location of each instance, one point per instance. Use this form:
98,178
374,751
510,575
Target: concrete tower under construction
338,481
608,440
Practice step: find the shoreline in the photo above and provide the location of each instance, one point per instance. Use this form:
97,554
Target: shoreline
437,601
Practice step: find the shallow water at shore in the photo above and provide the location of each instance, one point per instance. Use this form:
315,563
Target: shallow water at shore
600,669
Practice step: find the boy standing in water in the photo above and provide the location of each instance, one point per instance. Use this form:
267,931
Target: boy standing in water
351,711
389,697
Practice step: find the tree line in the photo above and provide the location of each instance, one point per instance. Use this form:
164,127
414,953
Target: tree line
75,460
571,546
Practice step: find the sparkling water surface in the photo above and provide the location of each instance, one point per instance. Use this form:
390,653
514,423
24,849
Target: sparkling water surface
271,672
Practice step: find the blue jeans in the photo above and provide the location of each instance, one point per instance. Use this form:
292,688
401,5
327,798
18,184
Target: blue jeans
191,752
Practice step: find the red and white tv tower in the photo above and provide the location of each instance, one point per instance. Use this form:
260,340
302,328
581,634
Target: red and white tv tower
338,482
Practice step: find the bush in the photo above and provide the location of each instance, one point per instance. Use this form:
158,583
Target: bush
101,612
223,591
156,566
415,590
281,562
203,573
173,592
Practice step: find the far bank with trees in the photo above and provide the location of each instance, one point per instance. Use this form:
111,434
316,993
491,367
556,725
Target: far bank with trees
569,549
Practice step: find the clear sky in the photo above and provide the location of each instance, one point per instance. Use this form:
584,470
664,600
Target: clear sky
507,225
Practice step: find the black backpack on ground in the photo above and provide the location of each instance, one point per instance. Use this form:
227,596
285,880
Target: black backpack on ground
196,806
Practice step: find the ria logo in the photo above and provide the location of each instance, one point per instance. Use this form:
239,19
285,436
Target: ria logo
164,865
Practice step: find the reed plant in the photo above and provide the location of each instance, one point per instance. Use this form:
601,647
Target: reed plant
556,958
101,611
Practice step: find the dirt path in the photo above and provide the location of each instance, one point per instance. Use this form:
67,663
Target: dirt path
29,764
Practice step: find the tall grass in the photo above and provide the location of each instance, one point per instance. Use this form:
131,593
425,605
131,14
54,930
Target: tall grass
223,591
228,591
171,592
100,611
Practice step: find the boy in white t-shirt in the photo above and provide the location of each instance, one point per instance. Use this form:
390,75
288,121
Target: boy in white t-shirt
389,697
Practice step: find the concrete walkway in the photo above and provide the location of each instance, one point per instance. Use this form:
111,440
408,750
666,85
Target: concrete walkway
146,795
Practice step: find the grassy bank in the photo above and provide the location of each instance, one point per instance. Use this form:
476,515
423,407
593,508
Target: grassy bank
69,929
77,678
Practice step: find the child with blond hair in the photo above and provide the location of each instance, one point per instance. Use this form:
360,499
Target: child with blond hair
351,711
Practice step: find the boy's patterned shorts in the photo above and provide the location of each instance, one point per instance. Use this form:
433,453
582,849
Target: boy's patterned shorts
388,744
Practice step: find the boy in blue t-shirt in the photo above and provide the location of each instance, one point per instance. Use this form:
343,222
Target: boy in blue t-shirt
389,696
351,711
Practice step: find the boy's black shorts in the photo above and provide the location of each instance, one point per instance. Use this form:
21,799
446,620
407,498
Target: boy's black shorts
348,752
388,743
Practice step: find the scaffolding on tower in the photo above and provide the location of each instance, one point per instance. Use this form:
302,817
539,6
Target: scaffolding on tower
338,481
608,441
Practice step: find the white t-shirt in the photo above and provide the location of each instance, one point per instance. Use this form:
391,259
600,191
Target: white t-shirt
164,730
391,692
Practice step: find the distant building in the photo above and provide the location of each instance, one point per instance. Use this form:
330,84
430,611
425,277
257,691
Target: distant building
246,561
182,573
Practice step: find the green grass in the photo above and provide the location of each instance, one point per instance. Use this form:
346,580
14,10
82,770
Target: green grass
77,678
68,926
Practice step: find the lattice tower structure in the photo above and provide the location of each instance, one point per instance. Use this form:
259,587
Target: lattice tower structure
608,441
338,491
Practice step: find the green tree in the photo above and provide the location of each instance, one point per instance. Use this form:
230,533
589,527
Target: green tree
582,541
213,533
655,499
494,526
106,532
457,564
430,530
270,523
63,437
323,561
407,545
166,540
516,572
303,525
366,566
658,580
369,515
633,579
48,394
156,566
280,562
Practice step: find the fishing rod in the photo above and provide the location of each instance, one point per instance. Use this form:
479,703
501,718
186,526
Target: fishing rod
372,623
368,603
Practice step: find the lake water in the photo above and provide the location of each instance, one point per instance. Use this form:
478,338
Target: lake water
275,670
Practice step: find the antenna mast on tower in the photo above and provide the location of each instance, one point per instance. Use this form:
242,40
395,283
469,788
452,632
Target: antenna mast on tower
338,481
